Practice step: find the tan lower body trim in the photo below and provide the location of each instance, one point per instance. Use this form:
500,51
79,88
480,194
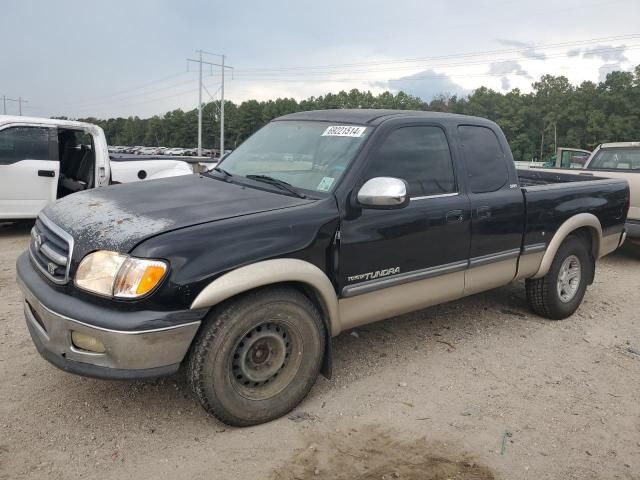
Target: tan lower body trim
529,264
608,244
409,297
492,275
392,301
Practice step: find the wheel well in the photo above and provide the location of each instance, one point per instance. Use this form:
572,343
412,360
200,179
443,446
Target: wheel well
590,237
313,295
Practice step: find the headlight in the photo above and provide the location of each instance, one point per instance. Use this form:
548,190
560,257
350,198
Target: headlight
114,274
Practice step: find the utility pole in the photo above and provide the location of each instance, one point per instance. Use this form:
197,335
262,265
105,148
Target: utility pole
200,108
542,144
221,153
19,101
201,62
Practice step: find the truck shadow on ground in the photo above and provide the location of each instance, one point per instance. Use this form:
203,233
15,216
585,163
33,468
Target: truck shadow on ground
373,453
15,229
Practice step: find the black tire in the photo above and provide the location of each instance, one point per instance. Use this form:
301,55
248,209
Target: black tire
543,294
234,365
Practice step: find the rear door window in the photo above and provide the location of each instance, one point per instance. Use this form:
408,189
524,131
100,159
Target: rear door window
484,159
24,143
420,155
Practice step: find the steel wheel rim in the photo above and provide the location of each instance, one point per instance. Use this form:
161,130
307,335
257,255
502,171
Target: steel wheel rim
569,277
265,360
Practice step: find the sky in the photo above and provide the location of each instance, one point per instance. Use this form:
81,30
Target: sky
112,58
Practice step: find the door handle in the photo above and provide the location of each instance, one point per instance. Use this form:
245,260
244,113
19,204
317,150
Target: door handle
46,173
455,216
483,212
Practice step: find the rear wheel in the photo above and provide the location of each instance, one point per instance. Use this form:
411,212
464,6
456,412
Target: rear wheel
258,356
559,293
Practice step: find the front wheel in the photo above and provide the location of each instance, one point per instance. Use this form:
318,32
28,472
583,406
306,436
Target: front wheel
559,293
258,356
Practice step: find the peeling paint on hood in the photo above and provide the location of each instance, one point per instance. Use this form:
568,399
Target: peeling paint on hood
97,220
121,216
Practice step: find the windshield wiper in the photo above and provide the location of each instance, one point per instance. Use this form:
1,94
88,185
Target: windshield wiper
221,170
278,183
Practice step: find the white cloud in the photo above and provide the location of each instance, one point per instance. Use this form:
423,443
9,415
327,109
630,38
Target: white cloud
427,85
528,49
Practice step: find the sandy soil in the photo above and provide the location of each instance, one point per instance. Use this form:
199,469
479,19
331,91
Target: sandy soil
474,389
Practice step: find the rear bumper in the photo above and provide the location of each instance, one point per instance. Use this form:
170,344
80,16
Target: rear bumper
128,354
633,230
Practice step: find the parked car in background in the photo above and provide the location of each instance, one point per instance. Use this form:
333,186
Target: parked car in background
174,151
42,160
618,160
563,158
320,222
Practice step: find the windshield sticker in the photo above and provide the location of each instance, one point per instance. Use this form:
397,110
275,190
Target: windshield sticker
344,131
325,184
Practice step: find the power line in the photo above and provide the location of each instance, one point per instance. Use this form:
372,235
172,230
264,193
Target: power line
127,90
309,76
448,56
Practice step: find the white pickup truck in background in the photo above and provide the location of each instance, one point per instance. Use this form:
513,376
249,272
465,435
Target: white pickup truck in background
44,159
612,160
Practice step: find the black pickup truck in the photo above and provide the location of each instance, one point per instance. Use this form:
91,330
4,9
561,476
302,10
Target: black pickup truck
320,222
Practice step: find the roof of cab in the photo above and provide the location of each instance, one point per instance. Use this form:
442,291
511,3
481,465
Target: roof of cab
620,145
8,119
374,117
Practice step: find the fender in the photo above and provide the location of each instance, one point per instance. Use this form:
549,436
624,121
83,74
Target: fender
269,272
577,221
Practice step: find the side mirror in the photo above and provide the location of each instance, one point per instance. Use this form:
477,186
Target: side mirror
383,193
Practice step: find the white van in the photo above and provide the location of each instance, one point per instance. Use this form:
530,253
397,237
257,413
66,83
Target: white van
44,159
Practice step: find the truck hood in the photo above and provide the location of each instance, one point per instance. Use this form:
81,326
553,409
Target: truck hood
119,217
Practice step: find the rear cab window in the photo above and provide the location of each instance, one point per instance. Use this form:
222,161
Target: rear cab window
484,159
25,143
419,155
623,158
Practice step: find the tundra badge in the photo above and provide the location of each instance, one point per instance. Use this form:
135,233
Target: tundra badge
377,274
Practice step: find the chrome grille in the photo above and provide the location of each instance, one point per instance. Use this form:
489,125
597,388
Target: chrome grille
51,249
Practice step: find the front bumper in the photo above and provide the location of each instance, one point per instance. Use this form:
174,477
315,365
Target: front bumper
140,353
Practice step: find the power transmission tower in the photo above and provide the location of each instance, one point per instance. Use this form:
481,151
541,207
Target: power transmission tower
19,100
201,62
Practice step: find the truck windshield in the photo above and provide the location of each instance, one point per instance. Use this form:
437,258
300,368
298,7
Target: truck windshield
624,158
307,155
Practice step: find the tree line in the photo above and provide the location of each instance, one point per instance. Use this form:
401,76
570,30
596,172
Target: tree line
554,113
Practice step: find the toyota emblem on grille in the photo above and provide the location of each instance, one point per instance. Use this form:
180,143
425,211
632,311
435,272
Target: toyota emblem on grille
37,240
51,268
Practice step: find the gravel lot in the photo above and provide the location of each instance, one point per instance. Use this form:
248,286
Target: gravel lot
477,389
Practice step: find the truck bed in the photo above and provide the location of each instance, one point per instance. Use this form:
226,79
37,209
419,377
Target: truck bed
551,198
531,178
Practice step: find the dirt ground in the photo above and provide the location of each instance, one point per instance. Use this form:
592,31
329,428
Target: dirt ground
474,389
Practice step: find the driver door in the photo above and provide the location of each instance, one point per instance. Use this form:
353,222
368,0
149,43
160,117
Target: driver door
29,170
400,260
